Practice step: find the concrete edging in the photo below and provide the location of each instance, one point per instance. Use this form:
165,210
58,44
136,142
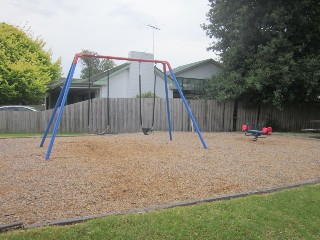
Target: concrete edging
14,225
155,207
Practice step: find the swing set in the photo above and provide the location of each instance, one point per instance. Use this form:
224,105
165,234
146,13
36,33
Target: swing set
66,86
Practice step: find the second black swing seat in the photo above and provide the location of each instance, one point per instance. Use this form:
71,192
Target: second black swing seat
147,131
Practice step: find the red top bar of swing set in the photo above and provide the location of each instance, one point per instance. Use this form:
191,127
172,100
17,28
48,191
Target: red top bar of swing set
79,55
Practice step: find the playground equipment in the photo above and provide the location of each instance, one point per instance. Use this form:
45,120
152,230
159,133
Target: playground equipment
66,86
147,130
255,132
107,129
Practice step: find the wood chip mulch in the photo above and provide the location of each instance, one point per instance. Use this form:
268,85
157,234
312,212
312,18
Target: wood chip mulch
94,175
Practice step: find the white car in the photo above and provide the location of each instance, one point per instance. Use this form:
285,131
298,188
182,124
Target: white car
17,108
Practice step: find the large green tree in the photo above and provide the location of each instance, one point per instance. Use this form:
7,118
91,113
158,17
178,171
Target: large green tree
93,66
25,67
270,50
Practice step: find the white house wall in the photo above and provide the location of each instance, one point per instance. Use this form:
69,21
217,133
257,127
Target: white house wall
160,88
146,72
147,78
118,86
204,71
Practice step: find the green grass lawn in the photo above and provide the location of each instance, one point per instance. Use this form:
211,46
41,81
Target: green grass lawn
289,214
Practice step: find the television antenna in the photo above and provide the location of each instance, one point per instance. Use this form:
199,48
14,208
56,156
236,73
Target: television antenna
153,28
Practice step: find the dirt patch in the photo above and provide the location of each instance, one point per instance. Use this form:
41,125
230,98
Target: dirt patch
101,174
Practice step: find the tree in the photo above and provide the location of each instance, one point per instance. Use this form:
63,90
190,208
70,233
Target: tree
95,65
25,67
147,95
270,50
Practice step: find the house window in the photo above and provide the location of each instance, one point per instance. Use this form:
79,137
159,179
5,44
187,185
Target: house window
192,88
84,97
191,84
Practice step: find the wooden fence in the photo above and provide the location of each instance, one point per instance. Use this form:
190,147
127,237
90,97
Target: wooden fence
124,117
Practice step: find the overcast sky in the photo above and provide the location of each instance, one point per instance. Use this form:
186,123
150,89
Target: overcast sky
115,27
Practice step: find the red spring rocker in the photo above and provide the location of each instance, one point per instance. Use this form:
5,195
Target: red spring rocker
256,133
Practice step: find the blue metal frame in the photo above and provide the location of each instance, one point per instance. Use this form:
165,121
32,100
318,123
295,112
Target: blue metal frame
255,133
167,100
188,109
55,109
65,89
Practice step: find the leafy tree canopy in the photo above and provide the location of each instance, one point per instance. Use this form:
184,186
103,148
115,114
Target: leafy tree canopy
270,50
93,66
25,67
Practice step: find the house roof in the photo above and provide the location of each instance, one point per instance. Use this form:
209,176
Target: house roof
101,78
98,79
194,65
60,82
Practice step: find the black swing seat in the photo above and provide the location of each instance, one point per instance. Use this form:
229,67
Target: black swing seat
106,131
147,131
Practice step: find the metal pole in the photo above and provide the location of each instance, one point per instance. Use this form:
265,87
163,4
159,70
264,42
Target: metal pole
153,42
167,99
89,94
56,125
108,100
188,109
153,28
55,110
